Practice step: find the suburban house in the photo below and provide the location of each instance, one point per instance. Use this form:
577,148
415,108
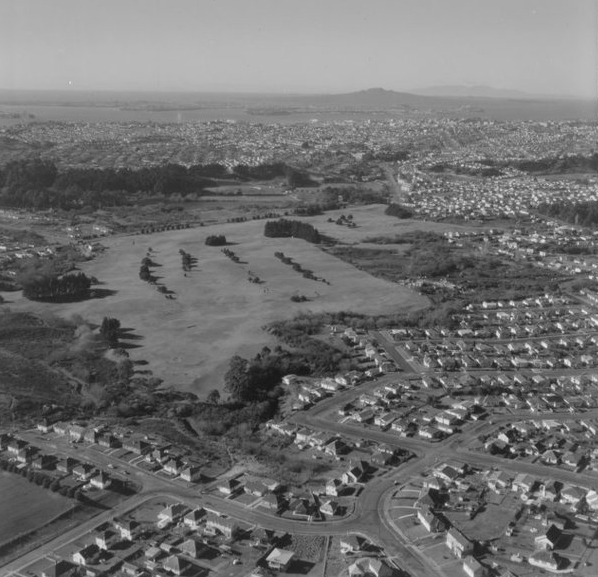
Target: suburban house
100,480
458,543
350,544
172,513
549,539
193,548
279,559
271,501
66,465
473,567
229,486
224,525
176,564
60,568
83,471
194,518
430,520
106,539
86,555
127,528
191,474
370,567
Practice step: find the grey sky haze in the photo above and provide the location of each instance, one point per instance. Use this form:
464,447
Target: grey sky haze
539,46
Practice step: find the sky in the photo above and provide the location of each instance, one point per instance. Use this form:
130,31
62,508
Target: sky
314,46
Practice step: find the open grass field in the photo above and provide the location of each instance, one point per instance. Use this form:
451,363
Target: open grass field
25,506
215,311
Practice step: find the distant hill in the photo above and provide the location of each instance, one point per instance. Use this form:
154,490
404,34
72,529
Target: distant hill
373,98
479,91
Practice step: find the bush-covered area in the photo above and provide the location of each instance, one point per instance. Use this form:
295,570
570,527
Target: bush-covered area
432,258
284,228
398,210
580,213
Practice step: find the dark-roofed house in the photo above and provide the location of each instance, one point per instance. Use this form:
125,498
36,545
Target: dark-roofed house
83,471
43,461
172,513
66,465
191,474
229,486
430,520
136,445
105,539
127,528
100,480
86,555
61,568
549,539
16,445
194,518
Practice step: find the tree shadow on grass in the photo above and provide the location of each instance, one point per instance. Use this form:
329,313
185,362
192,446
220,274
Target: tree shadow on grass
101,293
125,345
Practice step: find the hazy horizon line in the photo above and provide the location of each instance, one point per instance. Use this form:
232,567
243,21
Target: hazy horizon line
500,92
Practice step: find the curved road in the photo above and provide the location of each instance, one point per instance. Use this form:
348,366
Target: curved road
369,517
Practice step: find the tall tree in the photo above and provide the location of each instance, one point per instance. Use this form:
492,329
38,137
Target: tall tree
236,379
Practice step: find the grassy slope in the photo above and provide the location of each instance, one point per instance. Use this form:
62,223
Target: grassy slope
216,312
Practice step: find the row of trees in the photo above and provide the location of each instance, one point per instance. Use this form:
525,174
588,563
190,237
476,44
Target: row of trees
63,288
298,268
284,228
187,260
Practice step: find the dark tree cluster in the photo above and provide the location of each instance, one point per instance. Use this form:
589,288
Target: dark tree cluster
39,184
309,210
343,220
145,274
216,240
260,172
298,179
398,210
63,288
110,330
284,228
299,298
258,379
